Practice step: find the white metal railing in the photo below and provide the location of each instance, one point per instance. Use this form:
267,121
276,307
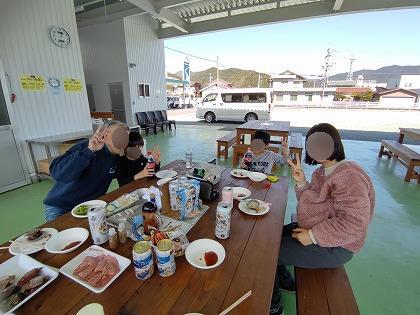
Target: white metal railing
346,105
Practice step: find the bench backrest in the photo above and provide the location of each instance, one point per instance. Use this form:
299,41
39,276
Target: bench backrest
141,118
151,117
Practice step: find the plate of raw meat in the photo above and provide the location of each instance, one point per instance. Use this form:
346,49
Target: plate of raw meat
95,268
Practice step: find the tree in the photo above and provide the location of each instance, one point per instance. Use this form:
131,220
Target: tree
363,97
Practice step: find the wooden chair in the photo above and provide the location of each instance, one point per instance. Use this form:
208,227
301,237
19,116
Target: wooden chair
403,154
324,291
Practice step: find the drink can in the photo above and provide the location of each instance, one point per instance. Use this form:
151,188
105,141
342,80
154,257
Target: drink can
143,260
165,256
227,194
223,213
98,226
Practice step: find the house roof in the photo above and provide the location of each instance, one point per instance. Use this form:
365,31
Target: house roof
222,84
390,92
353,89
288,74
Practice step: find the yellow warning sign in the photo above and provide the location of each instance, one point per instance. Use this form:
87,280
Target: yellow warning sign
31,82
72,85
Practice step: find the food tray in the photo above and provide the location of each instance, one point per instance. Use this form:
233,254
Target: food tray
21,264
93,250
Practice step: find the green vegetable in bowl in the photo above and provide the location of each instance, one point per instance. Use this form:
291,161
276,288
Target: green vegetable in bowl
82,210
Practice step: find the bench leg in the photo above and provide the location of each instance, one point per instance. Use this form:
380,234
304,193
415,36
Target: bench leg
225,152
409,173
235,158
381,151
219,149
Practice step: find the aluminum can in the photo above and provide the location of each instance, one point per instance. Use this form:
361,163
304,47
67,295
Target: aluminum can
98,226
227,194
165,256
143,260
223,213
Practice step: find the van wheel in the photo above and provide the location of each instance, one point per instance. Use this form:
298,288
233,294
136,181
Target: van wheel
210,117
251,116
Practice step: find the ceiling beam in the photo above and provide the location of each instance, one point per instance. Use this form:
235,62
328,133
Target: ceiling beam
159,4
290,13
163,14
337,5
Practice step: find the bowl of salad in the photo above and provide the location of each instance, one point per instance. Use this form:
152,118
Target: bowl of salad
81,210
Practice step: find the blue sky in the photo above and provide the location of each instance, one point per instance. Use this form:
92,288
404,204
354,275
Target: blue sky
375,39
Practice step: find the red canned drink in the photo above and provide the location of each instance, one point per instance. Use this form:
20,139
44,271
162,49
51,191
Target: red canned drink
143,260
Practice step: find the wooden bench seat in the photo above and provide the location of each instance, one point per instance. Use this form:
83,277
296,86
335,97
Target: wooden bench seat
404,155
296,146
323,292
224,143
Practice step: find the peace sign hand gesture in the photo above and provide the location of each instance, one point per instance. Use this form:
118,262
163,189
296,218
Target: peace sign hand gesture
285,148
96,142
156,154
297,171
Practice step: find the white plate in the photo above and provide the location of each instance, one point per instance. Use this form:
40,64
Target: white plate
240,191
93,250
165,180
92,309
240,173
244,208
21,264
257,176
30,249
195,252
91,204
60,240
166,173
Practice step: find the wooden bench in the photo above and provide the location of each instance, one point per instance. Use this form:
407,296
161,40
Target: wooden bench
224,143
323,292
404,155
240,149
296,146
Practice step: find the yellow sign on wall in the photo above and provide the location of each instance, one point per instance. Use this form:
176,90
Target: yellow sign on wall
30,82
72,85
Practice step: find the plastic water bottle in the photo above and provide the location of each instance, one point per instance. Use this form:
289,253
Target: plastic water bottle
188,158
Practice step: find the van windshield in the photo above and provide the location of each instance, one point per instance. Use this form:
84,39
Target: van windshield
210,98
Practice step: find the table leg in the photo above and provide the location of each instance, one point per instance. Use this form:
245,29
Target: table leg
401,138
31,152
238,136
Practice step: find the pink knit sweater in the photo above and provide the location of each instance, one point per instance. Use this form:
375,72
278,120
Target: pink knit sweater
338,207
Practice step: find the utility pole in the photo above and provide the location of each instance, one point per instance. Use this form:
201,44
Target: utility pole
350,73
326,68
217,72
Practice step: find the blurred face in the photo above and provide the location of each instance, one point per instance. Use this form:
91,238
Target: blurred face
258,146
116,139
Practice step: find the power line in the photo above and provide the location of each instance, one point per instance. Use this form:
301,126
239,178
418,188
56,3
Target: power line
190,55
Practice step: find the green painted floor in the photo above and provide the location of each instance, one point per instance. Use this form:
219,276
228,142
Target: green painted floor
384,275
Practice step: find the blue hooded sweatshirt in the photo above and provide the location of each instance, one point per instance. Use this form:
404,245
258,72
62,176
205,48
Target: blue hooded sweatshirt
80,175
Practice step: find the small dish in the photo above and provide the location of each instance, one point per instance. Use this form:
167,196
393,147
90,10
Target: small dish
240,193
59,241
196,250
243,206
31,247
89,204
239,173
256,176
166,173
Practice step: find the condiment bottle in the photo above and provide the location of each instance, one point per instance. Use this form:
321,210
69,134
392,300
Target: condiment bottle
150,218
122,233
113,239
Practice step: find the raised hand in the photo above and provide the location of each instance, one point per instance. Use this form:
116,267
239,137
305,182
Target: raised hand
156,154
96,142
144,173
285,148
297,171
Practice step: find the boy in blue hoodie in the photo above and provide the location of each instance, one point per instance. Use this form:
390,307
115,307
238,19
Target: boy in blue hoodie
85,171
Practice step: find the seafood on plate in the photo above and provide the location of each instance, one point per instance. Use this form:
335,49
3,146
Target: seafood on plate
97,270
29,276
34,234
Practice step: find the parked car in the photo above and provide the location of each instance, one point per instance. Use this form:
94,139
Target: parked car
173,102
236,105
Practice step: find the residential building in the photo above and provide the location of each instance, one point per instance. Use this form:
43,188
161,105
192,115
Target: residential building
397,98
348,93
405,81
288,90
215,86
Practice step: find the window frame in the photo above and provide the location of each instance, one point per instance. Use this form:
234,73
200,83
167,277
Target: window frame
293,95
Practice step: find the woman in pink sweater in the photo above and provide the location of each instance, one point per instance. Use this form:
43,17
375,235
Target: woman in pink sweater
333,212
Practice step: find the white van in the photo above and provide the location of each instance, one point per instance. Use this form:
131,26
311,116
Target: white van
236,105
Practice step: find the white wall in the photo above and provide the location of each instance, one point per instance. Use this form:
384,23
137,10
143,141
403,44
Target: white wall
302,99
397,102
26,48
146,50
410,81
104,60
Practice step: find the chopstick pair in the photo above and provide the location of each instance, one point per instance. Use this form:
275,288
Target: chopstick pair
239,301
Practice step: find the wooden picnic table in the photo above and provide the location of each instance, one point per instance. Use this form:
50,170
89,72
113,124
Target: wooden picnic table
411,133
274,129
250,264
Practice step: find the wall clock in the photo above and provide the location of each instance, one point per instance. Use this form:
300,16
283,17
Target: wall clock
60,36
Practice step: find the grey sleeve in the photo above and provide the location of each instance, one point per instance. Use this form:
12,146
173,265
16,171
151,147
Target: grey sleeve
278,158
